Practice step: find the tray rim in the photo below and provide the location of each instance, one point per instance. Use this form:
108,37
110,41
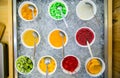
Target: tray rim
107,36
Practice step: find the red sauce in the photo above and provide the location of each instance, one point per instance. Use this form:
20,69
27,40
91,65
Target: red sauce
70,63
83,35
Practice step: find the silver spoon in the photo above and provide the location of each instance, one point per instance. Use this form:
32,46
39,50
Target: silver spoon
91,8
62,35
47,61
89,48
90,5
35,37
60,9
32,8
90,51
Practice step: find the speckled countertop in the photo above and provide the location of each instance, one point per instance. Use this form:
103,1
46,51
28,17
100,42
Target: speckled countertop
44,24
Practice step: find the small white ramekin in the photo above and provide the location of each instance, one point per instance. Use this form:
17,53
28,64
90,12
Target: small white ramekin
103,66
26,44
84,45
21,72
20,7
54,46
41,70
80,12
53,3
76,70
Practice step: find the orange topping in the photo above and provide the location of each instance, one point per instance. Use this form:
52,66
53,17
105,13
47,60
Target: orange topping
26,12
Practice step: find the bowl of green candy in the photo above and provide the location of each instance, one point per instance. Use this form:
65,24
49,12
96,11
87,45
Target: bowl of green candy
24,65
54,12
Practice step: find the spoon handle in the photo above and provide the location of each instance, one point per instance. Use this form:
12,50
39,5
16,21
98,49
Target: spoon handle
89,49
64,19
34,50
63,47
32,13
65,22
46,71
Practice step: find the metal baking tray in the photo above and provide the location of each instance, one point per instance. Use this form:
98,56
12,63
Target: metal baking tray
99,45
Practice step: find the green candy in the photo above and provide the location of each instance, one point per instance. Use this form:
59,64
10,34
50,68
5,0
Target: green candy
55,12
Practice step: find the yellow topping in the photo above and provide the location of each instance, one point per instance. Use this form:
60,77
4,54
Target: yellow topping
51,66
56,39
26,12
29,39
94,66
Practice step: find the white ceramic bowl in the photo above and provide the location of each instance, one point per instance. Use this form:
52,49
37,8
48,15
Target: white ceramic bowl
41,70
103,66
84,45
53,3
84,12
54,46
76,70
33,41
20,7
21,72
